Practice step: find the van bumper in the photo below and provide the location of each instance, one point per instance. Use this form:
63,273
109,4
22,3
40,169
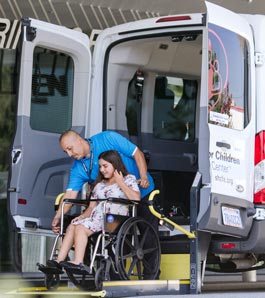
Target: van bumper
254,243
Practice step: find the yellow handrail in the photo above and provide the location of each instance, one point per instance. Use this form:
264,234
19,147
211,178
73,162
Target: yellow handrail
159,216
58,199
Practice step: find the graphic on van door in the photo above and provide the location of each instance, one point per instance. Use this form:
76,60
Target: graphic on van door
226,71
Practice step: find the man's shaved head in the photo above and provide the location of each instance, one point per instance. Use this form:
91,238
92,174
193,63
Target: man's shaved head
68,133
74,145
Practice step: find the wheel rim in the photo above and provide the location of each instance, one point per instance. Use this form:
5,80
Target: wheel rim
99,277
134,254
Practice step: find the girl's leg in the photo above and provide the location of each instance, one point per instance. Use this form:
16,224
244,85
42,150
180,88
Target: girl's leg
67,243
80,239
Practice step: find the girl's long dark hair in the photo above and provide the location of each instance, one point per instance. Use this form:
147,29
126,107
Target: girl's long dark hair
114,158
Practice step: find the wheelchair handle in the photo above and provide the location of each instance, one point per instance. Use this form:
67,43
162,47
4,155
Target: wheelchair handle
163,218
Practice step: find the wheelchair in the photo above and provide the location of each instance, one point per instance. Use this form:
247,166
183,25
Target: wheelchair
127,248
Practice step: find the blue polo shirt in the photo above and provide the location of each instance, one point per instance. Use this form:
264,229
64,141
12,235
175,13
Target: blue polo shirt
86,170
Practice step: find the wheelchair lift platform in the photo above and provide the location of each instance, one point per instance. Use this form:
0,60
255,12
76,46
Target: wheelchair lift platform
124,288
146,287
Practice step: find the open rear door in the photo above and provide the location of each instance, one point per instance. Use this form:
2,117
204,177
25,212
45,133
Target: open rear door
231,122
53,97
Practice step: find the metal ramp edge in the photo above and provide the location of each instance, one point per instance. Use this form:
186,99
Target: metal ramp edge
123,288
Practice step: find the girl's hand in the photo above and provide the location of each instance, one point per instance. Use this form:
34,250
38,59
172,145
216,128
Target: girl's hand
118,176
80,217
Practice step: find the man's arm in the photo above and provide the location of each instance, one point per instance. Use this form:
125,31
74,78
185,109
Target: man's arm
142,167
70,194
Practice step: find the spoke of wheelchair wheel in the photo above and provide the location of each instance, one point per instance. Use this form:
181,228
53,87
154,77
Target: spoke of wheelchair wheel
145,233
133,263
125,246
149,250
129,255
135,234
147,266
129,243
139,269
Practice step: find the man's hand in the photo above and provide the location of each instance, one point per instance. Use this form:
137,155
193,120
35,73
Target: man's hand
56,225
142,167
143,182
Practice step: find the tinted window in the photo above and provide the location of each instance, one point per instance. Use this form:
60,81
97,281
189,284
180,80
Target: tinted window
174,108
52,91
227,70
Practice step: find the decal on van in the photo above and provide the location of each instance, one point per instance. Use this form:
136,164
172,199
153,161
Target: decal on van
226,161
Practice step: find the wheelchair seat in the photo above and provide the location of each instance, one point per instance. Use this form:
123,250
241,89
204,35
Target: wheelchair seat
113,222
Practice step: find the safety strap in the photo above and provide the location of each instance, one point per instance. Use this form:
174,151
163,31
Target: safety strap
139,83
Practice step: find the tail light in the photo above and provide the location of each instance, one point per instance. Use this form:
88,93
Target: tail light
228,245
173,19
259,192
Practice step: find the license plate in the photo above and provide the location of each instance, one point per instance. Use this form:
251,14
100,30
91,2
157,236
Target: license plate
231,217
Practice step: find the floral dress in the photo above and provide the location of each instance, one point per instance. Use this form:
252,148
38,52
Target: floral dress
102,191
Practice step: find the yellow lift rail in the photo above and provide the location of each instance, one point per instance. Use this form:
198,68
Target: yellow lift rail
189,234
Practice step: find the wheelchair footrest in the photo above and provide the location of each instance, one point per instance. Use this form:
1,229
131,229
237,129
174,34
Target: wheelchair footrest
49,270
80,269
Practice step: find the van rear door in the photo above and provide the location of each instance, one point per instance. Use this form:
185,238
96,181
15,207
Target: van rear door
53,61
231,123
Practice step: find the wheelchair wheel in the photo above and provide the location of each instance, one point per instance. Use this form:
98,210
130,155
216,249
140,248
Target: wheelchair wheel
52,281
137,250
99,277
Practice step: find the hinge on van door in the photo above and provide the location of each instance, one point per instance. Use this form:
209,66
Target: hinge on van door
30,31
259,58
16,155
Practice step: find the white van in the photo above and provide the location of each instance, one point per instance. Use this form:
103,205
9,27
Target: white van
187,89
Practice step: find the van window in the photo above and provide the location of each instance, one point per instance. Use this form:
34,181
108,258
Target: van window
174,108
52,91
227,73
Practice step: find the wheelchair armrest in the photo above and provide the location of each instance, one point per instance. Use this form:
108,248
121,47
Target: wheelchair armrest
123,201
76,202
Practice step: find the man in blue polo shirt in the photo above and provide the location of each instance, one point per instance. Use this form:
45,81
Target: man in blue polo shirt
85,168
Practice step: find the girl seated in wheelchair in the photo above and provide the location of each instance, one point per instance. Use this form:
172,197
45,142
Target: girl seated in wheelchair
113,181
